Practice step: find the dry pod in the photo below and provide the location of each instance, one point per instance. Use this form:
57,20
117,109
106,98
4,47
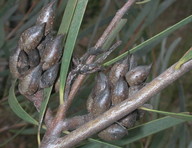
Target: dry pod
47,15
34,58
89,103
101,102
49,76
118,70
23,63
120,92
29,84
134,89
130,120
52,52
43,44
13,59
137,75
31,37
113,132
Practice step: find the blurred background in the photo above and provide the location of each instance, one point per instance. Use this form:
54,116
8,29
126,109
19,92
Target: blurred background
143,22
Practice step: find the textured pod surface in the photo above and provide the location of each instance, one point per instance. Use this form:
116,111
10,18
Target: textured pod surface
49,76
130,120
134,89
113,132
118,70
43,44
89,103
13,59
34,58
47,15
101,102
137,75
52,52
23,63
31,37
120,91
101,83
29,84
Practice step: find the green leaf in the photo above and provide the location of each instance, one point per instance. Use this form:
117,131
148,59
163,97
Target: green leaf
184,59
16,107
184,116
70,44
46,96
149,128
161,35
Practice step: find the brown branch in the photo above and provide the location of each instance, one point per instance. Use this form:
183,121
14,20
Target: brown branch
55,127
124,108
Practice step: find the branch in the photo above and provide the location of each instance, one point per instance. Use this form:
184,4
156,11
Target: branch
124,108
55,127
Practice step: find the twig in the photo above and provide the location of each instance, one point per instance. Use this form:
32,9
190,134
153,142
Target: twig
53,131
124,108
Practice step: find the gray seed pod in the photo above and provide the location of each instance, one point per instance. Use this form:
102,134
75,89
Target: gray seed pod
137,75
113,132
130,120
89,103
134,89
31,37
101,102
23,63
118,70
101,83
49,76
29,84
34,58
120,92
47,15
49,38
13,59
52,52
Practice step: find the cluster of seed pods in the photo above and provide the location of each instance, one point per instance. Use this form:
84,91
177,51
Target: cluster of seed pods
124,80
35,61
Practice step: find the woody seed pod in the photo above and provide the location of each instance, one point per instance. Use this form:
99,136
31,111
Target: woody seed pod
113,132
134,89
52,52
101,84
13,62
31,37
129,120
23,63
101,102
34,58
29,84
120,92
137,75
49,76
47,15
118,70
43,44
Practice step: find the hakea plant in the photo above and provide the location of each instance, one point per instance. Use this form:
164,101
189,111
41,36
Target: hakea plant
36,61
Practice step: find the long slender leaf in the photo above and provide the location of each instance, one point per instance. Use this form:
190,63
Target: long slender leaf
16,107
161,35
149,128
70,44
184,116
46,96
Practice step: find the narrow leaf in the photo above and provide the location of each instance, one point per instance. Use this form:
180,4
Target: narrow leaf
16,107
161,35
46,96
184,116
149,128
187,56
70,44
